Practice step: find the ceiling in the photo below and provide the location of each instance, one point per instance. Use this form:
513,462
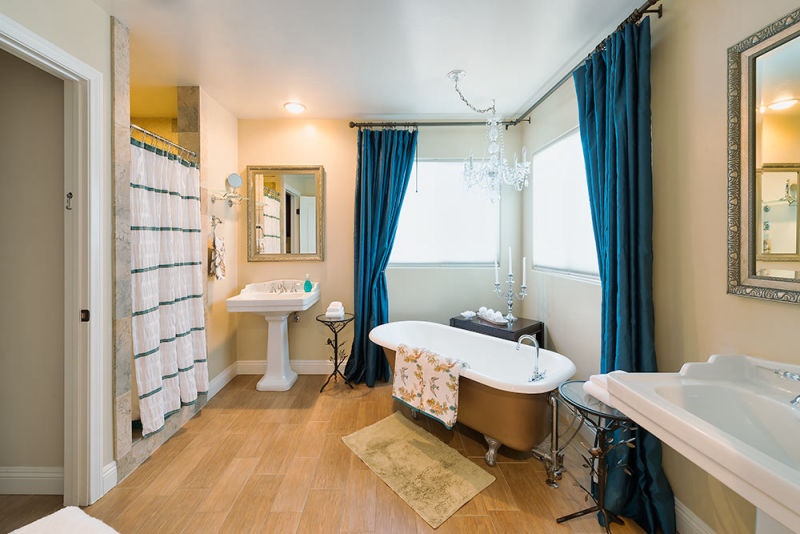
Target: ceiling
363,59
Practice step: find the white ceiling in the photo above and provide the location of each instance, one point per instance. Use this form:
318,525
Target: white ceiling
362,58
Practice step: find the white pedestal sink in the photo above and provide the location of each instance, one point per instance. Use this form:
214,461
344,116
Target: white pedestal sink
275,301
733,417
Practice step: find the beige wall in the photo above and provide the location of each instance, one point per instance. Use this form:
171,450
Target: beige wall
568,306
436,293
32,185
82,29
219,158
694,316
332,144
428,293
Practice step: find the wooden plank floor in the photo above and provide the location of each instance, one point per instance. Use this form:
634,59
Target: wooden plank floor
274,462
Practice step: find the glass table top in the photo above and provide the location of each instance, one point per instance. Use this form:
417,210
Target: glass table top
572,392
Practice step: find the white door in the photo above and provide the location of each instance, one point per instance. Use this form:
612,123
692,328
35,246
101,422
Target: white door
308,225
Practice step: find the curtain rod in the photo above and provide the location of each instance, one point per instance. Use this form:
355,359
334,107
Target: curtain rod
148,133
413,124
635,16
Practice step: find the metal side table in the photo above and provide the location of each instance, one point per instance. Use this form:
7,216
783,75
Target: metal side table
336,326
604,421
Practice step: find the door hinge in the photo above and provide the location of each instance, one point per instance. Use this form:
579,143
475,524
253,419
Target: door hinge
84,316
69,200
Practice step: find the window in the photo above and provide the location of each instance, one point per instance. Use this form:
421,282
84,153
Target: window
563,237
444,222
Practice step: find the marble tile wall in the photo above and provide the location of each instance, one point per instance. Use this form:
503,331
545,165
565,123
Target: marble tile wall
128,453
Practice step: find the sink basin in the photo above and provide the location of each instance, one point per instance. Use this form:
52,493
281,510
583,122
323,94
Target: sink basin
275,300
276,296
732,417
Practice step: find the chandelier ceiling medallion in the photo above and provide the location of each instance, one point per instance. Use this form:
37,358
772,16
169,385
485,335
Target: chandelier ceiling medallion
493,170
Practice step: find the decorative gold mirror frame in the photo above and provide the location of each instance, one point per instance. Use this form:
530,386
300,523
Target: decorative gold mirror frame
741,164
319,182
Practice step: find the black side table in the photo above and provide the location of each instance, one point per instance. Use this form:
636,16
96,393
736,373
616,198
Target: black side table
336,326
509,331
605,420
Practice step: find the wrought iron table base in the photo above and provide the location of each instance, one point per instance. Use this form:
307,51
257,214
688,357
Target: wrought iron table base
335,326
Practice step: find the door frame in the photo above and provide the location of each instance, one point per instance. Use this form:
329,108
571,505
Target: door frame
87,276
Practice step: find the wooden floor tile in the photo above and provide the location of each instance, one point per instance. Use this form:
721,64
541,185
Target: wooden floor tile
274,462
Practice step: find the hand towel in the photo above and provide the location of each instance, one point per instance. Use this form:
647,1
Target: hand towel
598,392
216,263
427,382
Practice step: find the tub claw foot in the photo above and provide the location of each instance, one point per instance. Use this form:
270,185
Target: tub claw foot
491,454
414,413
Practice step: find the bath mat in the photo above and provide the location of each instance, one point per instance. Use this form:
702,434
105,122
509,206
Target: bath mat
433,478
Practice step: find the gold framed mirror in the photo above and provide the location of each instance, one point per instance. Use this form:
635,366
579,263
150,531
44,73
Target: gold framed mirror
763,173
285,213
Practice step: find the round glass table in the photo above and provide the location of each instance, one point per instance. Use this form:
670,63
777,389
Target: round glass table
609,426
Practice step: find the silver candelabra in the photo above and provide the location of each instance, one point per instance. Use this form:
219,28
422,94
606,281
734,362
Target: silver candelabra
510,295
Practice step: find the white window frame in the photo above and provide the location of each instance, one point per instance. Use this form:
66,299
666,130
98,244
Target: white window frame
450,264
580,276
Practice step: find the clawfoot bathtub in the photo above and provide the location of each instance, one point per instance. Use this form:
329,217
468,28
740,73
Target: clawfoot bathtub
495,395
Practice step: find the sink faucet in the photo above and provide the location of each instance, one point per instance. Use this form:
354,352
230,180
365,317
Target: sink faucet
536,374
790,376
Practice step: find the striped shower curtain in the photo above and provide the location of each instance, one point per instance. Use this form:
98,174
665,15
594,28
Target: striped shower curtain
169,342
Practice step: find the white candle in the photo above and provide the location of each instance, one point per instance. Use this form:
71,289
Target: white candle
523,271
510,270
496,273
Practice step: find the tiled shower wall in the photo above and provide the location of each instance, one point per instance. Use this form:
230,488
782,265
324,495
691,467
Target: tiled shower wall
128,453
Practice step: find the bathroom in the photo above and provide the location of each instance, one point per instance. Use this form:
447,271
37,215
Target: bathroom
187,73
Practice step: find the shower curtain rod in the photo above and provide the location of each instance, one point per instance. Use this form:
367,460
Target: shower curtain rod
148,133
635,16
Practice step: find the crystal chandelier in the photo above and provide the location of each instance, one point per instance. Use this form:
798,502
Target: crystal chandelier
493,170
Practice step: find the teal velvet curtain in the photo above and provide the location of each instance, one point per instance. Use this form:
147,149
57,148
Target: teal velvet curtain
613,88
385,158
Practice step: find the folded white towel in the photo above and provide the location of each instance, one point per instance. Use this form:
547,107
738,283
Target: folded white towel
69,520
598,392
335,304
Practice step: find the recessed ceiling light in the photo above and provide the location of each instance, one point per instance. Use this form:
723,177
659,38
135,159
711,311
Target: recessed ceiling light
294,107
783,103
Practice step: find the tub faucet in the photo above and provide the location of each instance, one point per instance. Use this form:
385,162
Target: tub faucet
790,376
536,374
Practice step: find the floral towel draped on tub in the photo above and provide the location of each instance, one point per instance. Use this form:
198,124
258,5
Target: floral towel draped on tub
427,382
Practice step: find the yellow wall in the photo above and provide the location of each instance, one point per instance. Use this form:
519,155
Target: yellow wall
219,158
779,138
82,29
165,127
32,185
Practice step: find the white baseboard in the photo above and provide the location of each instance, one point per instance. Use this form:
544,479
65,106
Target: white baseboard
687,522
301,367
219,381
31,480
109,476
